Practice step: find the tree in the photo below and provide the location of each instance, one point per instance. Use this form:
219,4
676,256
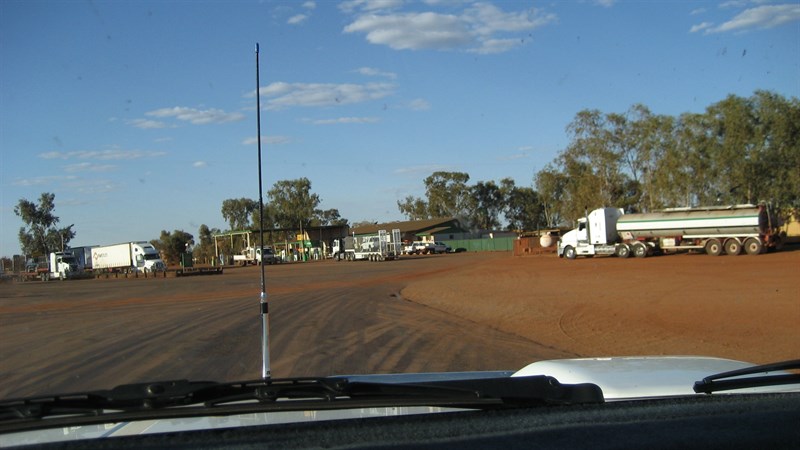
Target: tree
448,194
523,208
363,223
487,203
777,147
172,245
740,150
292,203
205,250
237,212
40,235
328,217
414,208
551,185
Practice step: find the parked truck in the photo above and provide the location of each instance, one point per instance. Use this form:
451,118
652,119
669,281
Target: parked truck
56,265
127,257
255,255
63,265
83,256
714,230
375,247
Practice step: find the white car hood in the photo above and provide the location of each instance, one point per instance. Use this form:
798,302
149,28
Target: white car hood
641,376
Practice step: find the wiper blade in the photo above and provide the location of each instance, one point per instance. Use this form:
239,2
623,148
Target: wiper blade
182,398
721,381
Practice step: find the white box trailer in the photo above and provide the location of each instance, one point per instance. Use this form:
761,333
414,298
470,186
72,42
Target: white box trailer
129,256
732,229
374,247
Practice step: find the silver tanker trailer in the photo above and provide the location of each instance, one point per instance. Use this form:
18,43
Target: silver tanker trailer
714,229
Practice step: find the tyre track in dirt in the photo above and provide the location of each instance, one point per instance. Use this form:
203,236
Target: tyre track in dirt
325,318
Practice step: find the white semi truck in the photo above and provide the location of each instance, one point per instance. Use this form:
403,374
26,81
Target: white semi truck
717,229
375,247
56,265
62,265
127,257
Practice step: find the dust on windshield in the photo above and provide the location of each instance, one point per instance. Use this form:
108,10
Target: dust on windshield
422,167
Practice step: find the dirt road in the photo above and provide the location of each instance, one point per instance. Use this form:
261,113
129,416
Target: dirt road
431,313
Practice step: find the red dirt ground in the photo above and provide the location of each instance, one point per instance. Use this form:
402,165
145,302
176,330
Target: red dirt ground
742,307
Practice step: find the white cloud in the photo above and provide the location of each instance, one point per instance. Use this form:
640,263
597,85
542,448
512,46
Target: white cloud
88,187
199,164
268,140
43,180
309,5
488,20
345,120
605,3
413,31
480,28
197,116
768,16
369,5
490,46
700,27
372,72
419,104
147,124
284,95
297,19
426,169
103,155
89,167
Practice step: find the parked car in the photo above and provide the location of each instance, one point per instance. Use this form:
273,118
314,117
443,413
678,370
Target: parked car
423,247
440,247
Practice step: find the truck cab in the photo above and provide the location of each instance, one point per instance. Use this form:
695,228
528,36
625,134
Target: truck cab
146,257
596,234
62,265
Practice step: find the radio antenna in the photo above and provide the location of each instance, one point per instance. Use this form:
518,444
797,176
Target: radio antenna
265,371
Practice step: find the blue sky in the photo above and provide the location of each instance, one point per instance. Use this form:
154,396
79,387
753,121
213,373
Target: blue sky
140,116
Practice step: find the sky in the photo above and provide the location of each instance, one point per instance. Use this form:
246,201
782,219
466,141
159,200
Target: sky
140,116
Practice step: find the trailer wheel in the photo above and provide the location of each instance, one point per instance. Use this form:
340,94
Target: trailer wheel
752,246
733,247
713,247
569,252
639,250
623,251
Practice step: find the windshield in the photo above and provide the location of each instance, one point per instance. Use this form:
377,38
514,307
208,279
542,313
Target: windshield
478,133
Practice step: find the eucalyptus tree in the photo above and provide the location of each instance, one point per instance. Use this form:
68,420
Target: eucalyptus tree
487,203
551,186
237,212
292,203
448,194
414,208
776,151
40,235
523,207
172,245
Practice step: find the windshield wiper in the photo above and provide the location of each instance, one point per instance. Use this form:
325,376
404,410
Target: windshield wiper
182,398
721,381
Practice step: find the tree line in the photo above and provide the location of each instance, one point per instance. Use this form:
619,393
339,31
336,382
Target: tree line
740,150
291,205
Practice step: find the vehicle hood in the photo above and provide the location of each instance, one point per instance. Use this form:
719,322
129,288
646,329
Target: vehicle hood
620,378
641,376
